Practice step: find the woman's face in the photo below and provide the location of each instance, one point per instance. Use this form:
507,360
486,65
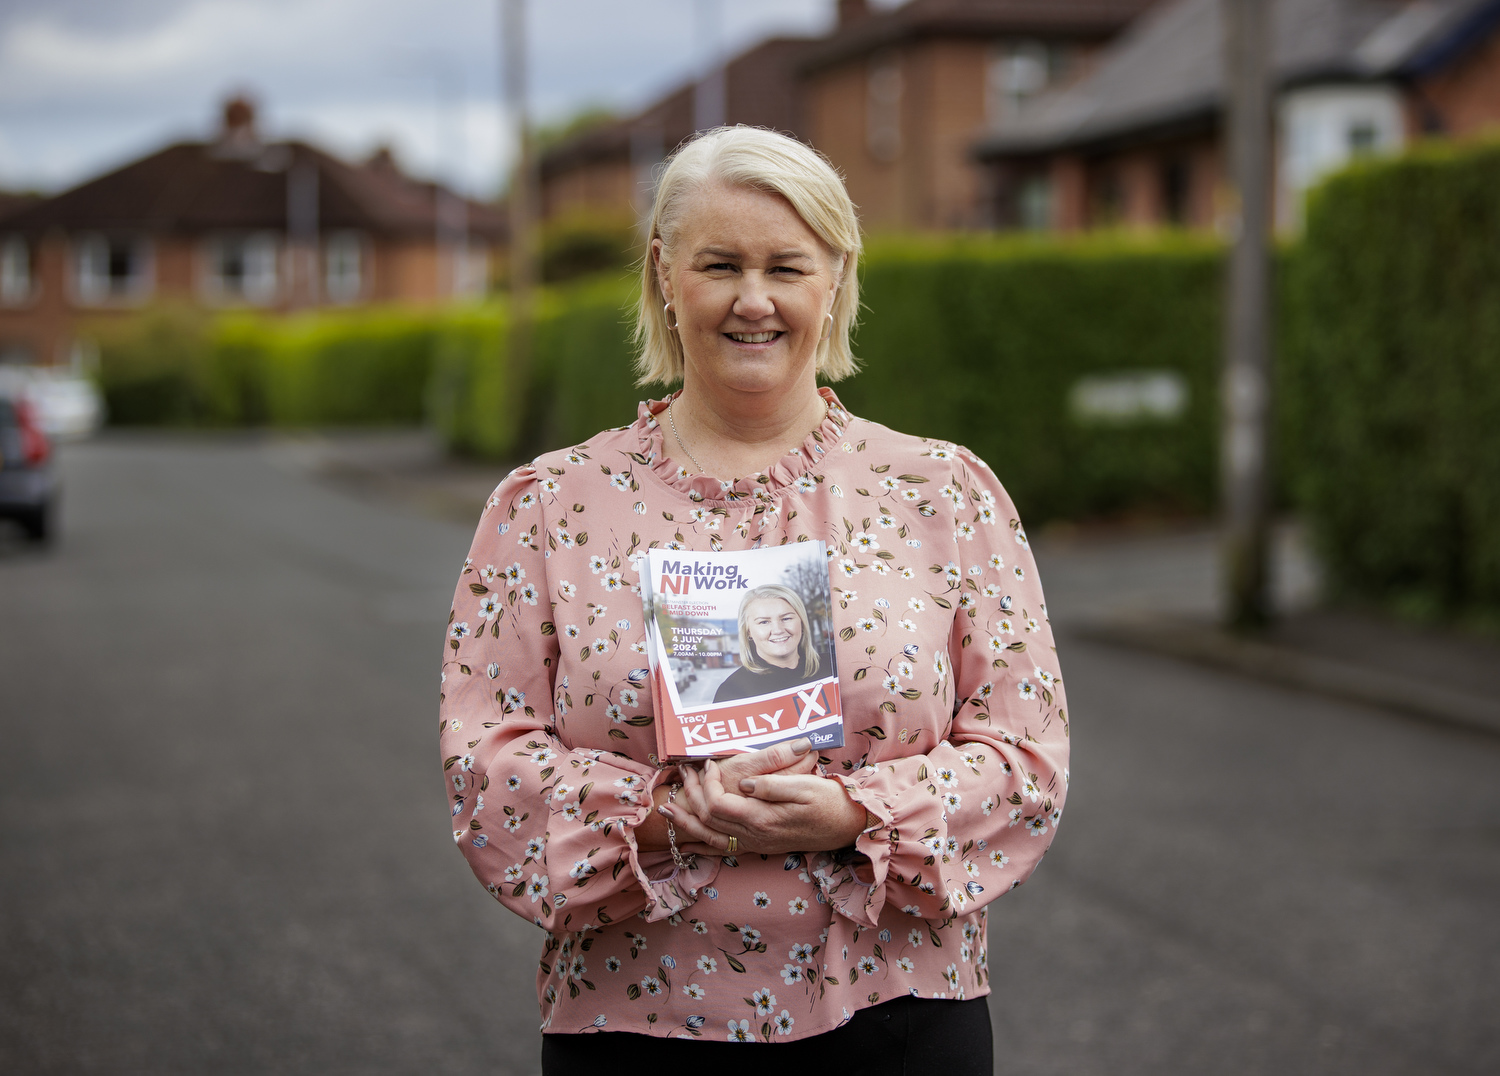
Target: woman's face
751,285
776,631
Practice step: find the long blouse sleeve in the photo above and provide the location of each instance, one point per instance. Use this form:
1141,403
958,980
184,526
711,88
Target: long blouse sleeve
547,826
970,818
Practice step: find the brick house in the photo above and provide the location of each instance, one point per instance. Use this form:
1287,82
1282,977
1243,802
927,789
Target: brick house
236,222
607,171
894,98
1136,142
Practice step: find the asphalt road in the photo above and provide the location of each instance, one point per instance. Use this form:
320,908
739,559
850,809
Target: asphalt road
224,846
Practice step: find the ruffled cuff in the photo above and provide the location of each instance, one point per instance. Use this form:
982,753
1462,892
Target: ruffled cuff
668,888
855,886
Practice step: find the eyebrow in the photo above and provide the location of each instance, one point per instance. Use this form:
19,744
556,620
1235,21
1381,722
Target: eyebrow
780,255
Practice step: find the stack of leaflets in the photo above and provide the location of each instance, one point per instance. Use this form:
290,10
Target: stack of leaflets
741,649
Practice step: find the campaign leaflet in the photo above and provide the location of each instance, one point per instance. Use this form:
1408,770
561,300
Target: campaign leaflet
741,646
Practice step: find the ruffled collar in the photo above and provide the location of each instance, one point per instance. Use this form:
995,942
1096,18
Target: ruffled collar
709,490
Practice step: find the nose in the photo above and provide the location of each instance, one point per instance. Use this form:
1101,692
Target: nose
753,300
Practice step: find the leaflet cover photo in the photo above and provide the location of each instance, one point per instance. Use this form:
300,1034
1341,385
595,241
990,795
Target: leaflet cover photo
741,649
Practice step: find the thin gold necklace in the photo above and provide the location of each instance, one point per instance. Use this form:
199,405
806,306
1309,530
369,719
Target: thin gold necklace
672,422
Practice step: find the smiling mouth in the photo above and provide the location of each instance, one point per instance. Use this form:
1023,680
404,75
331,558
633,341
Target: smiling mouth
754,338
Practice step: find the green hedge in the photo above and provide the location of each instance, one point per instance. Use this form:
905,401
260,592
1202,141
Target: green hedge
978,342
981,342
176,367
1388,382
1392,378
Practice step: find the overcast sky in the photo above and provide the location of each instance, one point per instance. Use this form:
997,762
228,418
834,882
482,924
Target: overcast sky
89,84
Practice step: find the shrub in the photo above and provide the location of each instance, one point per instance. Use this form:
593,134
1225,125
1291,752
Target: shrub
981,341
171,366
1393,378
467,398
581,244
585,351
365,367
153,368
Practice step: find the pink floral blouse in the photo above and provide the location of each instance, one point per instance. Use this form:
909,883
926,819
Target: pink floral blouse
956,733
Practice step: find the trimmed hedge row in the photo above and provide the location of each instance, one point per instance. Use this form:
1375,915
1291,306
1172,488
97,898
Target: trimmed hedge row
1392,378
982,343
176,367
975,341
978,342
1388,379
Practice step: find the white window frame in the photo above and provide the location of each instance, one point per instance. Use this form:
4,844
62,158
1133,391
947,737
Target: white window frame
18,283
92,283
259,282
341,251
1317,127
1016,71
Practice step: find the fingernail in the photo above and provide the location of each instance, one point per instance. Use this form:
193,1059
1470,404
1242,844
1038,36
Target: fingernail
747,785
666,812
802,746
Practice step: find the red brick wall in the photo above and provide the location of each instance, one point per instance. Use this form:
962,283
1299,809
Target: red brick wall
1467,96
606,187
931,183
399,271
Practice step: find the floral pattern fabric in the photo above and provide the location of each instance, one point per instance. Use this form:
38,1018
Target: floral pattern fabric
956,733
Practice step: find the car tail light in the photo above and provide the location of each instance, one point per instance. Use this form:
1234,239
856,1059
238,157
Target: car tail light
34,446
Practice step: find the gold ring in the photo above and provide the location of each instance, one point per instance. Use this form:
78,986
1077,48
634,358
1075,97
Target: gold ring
734,845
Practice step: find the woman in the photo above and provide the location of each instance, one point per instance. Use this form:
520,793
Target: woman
834,905
776,647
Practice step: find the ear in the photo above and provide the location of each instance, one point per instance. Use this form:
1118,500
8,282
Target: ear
663,279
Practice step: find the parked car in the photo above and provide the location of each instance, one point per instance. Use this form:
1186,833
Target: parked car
67,404
28,487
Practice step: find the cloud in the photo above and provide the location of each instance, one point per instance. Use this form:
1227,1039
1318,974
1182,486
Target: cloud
77,91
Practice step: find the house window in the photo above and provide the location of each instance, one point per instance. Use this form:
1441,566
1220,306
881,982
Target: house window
111,268
15,271
1364,138
883,107
1034,203
1109,198
1176,187
1017,71
343,268
1324,127
241,268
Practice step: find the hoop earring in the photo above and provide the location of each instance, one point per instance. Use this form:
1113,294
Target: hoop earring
827,329
665,310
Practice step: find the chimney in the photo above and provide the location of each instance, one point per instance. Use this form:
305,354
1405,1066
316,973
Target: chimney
237,136
853,11
383,160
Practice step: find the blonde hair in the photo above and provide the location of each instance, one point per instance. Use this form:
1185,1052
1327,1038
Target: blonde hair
749,658
761,160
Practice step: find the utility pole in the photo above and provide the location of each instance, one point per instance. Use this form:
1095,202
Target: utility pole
710,94
523,192
1247,381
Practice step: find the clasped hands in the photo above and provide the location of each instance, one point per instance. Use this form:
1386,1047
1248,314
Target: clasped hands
770,801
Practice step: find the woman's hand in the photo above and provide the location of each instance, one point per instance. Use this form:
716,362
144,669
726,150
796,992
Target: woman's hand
695,833
775,813
795,756
694,837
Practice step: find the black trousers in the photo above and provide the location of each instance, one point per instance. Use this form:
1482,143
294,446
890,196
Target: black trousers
904,1037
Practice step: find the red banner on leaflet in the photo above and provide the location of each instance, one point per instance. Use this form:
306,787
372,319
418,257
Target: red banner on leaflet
812,711
741,650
